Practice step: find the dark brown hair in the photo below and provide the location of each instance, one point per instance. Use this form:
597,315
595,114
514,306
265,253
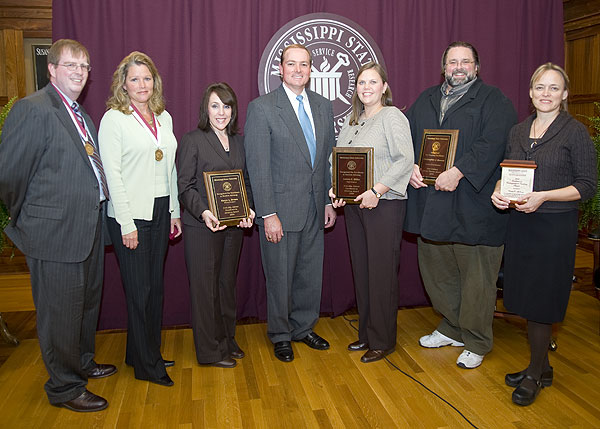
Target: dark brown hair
227,96
386,97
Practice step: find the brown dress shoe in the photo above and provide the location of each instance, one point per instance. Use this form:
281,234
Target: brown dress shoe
102,370
375,355
225,363
85,403
358,346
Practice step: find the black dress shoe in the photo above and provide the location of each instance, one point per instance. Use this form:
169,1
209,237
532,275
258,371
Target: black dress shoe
85,403
237,354
375,355
357,346
165,380
314,341
225,363
527,391
168,363
283,351
514,379
102,370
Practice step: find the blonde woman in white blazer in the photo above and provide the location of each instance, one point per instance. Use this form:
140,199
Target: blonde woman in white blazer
138,149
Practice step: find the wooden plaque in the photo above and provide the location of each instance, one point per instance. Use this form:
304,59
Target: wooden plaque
227,198
352,172
517,179
438,150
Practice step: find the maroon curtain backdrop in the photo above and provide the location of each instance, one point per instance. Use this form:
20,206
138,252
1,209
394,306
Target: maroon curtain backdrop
195,43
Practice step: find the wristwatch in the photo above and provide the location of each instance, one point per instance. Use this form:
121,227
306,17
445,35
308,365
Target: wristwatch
377,194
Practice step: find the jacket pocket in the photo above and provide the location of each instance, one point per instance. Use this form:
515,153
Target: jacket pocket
44,211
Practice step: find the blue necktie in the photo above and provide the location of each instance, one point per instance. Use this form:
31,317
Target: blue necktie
307,129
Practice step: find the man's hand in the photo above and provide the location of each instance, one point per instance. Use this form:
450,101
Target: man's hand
416,179
330,216
273,229
448,180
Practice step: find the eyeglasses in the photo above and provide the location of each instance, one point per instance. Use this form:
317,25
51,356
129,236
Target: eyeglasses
73,67
462,63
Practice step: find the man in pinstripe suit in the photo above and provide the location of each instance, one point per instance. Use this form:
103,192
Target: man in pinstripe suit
52,181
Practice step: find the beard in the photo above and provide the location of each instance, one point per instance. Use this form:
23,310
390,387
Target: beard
454,82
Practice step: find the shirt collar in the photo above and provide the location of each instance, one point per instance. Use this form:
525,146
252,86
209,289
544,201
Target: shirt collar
64,95
292,95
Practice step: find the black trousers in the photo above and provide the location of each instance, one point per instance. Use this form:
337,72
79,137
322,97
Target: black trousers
375,237
212,260
142,277
67,302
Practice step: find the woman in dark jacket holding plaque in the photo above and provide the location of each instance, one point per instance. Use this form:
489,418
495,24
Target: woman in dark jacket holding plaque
374,223
212,249
539,254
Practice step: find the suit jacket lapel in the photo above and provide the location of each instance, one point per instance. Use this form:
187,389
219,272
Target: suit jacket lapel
315,107
65,118
216,145
291,121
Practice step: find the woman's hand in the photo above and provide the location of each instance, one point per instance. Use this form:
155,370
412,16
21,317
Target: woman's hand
247,223
368,200
531,202
212,222
500,201
336,203
175,228
131,240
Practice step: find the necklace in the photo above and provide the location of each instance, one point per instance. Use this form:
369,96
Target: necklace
538,138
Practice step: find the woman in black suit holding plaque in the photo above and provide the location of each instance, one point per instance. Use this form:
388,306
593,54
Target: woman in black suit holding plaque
212,249
539,254
374,223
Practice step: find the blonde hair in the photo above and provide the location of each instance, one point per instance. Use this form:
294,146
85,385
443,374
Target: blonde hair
119,99
386,97
537,74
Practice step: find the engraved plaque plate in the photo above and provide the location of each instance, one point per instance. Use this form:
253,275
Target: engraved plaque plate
227,198
438,150
352,172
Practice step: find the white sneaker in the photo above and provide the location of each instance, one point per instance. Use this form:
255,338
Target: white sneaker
437,339
469,360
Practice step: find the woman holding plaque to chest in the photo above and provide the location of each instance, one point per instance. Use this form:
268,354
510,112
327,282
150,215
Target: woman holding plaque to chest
138,148
539,254
374,223
212,250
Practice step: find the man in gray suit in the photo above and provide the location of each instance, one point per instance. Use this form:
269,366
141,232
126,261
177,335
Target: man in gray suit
52,181
288,138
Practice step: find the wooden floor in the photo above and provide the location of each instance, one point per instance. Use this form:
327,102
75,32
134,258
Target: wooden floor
327,388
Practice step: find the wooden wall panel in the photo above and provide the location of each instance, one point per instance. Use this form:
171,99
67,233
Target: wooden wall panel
14,63
33,17
582,55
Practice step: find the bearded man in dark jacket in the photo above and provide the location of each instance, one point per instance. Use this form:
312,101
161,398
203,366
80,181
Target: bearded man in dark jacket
461,233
